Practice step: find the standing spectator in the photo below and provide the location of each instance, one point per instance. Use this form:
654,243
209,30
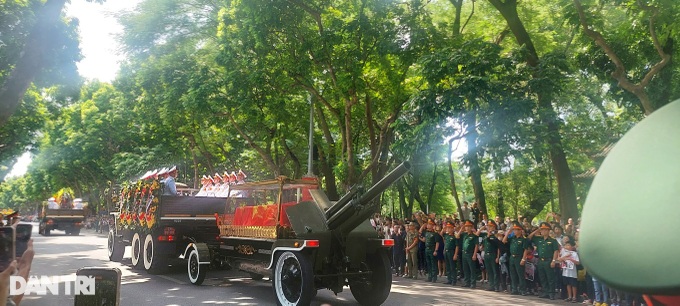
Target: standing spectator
492,254
559,236
440,249
412,251
465,212
398,251
450,253
475,213
601,293
548,249
518,252
503,269
469,253
569,260
430,250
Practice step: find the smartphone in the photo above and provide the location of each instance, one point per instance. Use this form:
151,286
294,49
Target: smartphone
23,234
106,287
7,252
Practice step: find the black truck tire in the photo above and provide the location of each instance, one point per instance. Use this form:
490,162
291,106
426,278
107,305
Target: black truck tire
195,269
375,288
154,263
75,232
137,260
293,279
115,248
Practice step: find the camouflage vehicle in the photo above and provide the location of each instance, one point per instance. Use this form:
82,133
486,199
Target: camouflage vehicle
288,230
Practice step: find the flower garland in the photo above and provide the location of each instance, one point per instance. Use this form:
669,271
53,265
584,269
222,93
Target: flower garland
138,202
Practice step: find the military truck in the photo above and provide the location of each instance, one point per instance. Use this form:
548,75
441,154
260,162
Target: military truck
159,228
64,219
288,230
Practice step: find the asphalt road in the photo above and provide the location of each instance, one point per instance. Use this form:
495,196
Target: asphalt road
60,255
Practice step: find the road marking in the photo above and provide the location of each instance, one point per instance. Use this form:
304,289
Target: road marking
176,281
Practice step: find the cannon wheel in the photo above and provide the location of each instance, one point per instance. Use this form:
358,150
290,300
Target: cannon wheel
137,261
115,248
196,270
153,263
375,288
293,279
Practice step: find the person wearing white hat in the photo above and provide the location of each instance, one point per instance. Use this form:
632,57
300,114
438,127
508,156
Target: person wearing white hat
52,204
169,187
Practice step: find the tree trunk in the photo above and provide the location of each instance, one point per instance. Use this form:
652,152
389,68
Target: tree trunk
565,183
452,177
32,60
328,160
473,159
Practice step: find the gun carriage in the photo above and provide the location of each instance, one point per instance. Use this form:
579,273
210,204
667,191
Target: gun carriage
289,231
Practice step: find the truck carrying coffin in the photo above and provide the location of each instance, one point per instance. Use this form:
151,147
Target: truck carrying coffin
159,228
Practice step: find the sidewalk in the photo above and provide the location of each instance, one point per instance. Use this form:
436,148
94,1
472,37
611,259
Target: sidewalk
420,292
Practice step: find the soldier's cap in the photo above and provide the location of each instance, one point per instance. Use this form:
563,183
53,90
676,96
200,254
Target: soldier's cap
411,223
241,173
517,227
492,223
162,171
642,167
218,176
545,225
173,169
430,221
449,223
468,222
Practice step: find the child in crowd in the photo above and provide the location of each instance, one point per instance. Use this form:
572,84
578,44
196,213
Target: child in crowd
569,259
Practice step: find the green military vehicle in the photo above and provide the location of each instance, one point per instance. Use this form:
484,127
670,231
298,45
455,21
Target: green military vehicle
288,230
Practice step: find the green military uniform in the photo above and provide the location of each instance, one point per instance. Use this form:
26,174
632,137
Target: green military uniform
546,250
469,265
430,259
490,244
450,245
517,247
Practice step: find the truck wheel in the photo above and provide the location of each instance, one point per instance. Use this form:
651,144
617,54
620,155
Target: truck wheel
67,232
137,251
75,232
196,270
153,263
293,279
374,288
115,248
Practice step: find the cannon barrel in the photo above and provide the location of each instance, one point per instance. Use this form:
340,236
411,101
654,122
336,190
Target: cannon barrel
343,201
347,215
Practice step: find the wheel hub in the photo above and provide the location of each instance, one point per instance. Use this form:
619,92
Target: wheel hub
291,279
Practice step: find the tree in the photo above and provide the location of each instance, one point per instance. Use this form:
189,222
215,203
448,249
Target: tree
48,44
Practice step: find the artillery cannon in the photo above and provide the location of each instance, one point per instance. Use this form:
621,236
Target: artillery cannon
289,231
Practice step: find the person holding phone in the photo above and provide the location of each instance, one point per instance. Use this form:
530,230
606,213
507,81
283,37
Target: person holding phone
20,267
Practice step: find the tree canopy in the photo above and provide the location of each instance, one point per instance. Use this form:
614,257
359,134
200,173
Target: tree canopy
525,93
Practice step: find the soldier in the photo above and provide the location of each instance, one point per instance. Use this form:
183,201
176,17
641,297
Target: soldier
451,250
431,246
412,251
469,253
492,253
518,252
548,249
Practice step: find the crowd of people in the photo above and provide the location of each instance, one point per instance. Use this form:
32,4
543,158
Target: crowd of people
502,255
